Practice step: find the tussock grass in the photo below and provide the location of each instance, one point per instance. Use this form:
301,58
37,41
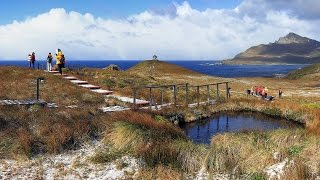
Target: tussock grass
251,152
144,137
30,131
160,172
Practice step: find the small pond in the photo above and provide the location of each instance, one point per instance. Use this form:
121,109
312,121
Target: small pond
203,130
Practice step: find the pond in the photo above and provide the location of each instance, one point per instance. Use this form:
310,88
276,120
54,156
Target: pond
202,131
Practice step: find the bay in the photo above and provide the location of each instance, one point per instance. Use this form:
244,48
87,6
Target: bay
214,68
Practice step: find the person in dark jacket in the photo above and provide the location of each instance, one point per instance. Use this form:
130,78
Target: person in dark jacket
49,62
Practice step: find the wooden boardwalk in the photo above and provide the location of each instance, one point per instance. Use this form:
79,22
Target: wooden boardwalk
21,102
139,103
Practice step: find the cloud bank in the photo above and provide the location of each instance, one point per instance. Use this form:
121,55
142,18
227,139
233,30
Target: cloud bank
178,33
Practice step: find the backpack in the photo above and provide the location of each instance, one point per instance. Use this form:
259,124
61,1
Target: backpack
49,59
63,59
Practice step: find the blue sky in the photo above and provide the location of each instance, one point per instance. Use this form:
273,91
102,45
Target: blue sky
22,9
138,29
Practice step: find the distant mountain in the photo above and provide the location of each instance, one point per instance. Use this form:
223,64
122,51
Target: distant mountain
291,49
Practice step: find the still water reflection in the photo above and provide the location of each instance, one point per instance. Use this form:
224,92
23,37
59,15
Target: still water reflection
202,131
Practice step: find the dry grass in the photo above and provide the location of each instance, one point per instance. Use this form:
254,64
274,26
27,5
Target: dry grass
162,146
251,152
160,172
20,83
32,131
146,138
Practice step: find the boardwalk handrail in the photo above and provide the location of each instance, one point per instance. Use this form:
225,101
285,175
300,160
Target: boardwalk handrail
164,86
175,88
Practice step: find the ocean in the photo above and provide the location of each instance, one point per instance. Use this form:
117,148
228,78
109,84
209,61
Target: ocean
213,68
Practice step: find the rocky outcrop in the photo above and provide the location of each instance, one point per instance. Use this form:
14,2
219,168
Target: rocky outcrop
113,67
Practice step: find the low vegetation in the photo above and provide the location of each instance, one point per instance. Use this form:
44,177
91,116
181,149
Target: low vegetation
164,149
305,72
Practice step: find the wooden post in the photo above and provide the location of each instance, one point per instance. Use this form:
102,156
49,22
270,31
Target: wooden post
187,94
38,82
227,91
175,95
217,92
198,95
134,98
208,93
161,96
150,98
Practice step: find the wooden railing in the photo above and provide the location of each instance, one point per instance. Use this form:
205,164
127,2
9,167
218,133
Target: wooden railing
187,87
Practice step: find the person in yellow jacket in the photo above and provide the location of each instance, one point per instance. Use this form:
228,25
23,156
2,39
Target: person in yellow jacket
59,59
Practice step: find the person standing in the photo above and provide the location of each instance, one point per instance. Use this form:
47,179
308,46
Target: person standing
33,59
266,91
49,62
280,93
59,60
29,60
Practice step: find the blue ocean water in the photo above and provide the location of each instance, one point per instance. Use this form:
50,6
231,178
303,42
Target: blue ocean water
213,68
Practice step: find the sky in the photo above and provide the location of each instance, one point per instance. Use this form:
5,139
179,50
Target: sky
136,30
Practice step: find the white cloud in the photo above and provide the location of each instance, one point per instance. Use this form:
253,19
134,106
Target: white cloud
189,34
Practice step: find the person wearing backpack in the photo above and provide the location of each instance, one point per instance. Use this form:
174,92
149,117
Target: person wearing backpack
49,62
59,59
63,60
33,59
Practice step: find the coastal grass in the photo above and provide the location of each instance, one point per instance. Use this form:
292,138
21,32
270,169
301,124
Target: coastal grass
252,152
247,154
18,83
29,131
144,137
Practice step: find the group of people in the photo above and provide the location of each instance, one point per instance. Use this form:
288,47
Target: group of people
262,91
60,60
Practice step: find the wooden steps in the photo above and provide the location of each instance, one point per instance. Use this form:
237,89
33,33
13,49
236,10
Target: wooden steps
70,78
89,86
101,91
79,82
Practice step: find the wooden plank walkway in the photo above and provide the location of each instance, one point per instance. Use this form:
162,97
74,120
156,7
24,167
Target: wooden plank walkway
21,102
130,100
145,104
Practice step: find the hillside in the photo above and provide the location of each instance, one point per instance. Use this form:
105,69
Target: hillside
291,49
159,68
312,71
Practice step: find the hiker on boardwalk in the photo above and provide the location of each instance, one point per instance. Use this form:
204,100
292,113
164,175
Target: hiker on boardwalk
31,59
49,62
59,60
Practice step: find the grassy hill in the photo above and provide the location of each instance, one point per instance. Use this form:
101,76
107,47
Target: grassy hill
159,68
311,71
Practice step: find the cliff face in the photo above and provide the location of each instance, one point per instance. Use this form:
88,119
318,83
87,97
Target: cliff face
291,49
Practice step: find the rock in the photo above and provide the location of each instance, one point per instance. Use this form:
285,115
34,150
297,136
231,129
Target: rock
113,67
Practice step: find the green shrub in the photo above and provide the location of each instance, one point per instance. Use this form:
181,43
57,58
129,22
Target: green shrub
272,111
294,150
109,83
